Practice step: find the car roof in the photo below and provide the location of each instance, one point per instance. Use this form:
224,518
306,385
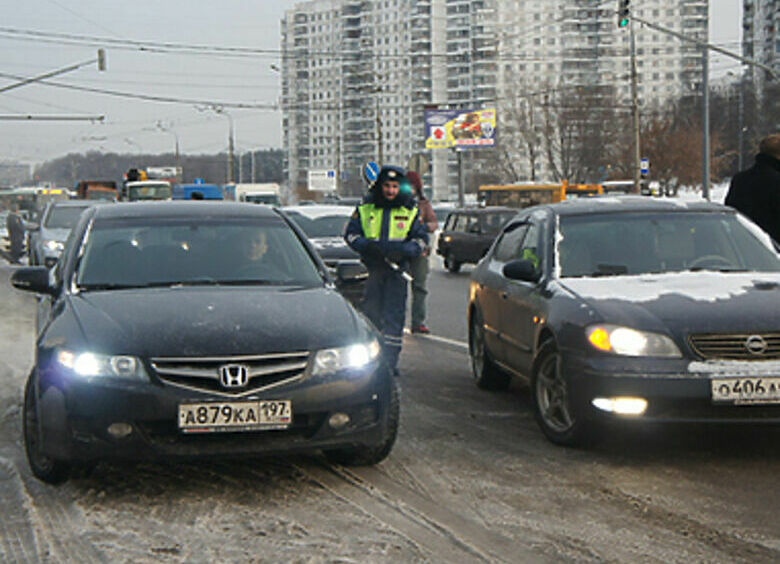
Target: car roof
77,203
627,204
183,208
318,210
486,210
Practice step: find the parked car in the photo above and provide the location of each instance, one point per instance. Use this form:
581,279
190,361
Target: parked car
324,225
188,329
468,234
630,308
47,238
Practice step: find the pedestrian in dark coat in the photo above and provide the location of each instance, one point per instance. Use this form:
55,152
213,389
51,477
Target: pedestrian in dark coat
15,228
756,191
386,231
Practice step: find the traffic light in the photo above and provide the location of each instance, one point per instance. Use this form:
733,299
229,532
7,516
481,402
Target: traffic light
623,12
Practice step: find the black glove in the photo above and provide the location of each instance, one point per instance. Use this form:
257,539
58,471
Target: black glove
373,250
395,256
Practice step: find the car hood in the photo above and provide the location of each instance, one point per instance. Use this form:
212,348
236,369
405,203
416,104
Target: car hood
215,321
685,302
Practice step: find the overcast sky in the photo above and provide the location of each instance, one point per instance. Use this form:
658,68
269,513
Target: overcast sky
132,126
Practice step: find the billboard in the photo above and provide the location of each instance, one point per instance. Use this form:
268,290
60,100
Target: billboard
462,129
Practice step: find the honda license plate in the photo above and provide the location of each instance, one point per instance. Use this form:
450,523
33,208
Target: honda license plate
746,390
234,416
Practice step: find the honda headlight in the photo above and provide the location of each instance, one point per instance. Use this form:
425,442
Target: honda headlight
91,365
631,342
352,357
54,246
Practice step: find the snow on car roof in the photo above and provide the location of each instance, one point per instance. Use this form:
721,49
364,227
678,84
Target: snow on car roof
317,211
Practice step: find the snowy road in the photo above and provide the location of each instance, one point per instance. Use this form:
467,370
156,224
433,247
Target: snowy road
471,480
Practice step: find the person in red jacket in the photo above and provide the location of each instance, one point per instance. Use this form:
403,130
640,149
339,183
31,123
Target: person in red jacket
419,266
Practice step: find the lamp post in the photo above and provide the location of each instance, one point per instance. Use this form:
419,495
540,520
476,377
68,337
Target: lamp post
100,60
168,129
231,143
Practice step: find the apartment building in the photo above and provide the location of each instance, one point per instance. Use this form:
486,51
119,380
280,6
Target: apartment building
761,41
358,74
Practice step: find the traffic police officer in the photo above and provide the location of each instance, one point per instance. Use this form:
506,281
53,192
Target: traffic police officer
385,230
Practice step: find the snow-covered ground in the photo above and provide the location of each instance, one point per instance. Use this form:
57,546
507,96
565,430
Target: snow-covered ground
717,193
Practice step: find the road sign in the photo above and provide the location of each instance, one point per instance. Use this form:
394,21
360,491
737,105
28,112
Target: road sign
322,180
644,166
370,172
418,163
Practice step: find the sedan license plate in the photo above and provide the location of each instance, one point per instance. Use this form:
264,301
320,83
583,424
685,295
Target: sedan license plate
234,416
746,390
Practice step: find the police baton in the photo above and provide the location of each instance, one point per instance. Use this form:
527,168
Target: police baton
405,275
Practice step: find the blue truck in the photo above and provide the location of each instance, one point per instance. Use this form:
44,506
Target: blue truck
197,191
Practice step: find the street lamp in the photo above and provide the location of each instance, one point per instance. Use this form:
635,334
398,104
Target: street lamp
100,60
221,111
168,129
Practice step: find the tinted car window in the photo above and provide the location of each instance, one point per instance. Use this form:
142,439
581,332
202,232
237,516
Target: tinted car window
63,217
324,226
647,243
220,250
493,222
507,247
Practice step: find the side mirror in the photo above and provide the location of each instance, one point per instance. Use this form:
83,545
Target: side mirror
521,270
475,228
350,273
32,279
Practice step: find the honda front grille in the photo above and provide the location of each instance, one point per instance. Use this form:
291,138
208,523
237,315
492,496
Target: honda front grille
208,374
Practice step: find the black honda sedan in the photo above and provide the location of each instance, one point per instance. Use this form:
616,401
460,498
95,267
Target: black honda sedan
185,329
630,309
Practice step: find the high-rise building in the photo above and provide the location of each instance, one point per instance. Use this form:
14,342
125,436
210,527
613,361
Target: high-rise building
358,74
761,42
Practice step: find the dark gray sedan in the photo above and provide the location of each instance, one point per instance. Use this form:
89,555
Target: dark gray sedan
630,309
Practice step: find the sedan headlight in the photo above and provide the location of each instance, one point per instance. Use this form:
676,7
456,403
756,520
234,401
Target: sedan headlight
631,342
103,366
54,246
328,361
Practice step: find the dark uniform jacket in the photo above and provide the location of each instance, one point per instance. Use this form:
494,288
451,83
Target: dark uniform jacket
756,193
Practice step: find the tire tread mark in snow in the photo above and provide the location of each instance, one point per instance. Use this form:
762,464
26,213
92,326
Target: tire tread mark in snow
60,527
435,529
18,542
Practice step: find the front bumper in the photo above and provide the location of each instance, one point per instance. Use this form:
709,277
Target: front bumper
75,416
675,393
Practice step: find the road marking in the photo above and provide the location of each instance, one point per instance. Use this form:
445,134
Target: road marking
442,340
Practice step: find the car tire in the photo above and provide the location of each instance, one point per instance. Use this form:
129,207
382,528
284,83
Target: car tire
487,375
44,468
368,456
553,410
450,263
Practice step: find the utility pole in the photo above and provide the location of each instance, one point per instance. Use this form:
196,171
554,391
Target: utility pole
741,120
253,166
705,123
378,131
635,112
230,152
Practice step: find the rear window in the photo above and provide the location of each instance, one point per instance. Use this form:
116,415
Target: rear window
63,217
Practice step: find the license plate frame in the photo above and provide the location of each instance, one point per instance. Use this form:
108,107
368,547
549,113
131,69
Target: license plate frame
234,416
747,390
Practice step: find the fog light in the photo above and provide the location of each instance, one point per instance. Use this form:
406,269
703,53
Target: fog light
338,420
119,430
621,405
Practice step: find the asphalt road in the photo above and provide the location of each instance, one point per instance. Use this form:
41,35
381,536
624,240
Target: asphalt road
471,480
